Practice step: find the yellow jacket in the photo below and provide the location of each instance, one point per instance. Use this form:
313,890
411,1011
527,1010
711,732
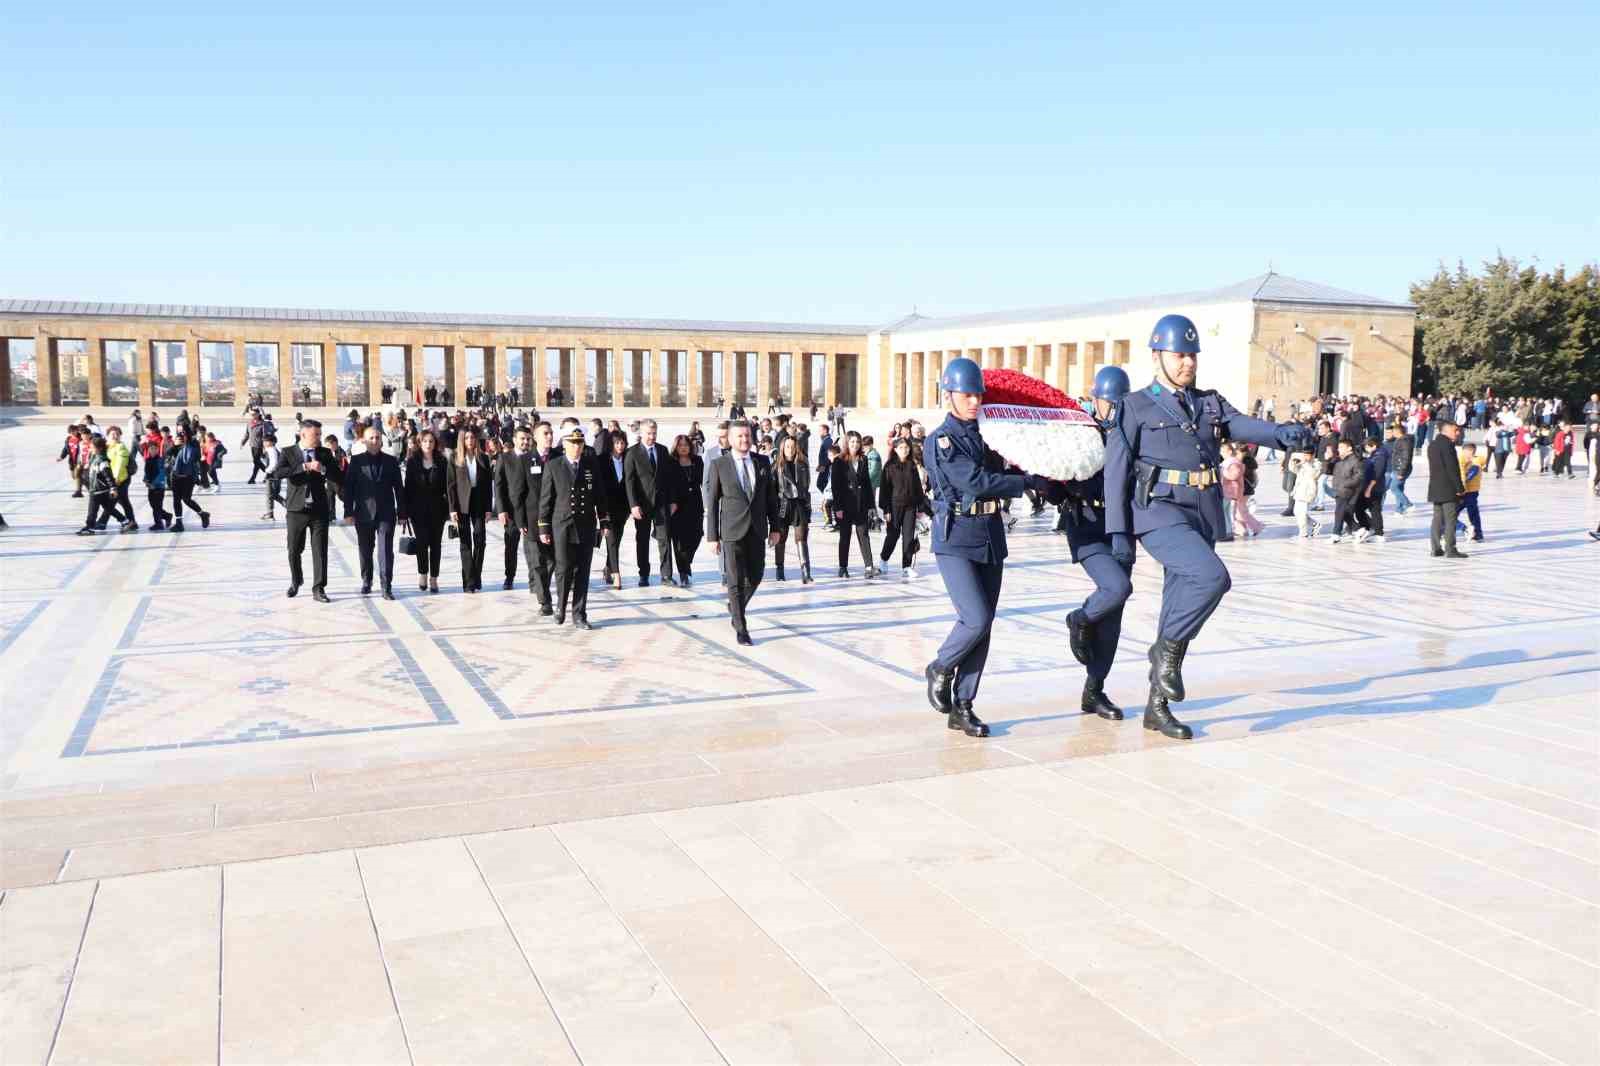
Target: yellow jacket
1474,481
117,456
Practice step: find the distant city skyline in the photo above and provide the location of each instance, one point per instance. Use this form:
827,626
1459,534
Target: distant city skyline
841,163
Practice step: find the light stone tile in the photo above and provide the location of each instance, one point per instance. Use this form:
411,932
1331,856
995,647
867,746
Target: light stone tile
582,952
469,997
40,930
1040,1015
203,849
821,1035
71,830
146,984
1544,967
901,1012
428,887
759,884
1269,1038
909,828
657,1033
516,856
721,963
24,867
295,883
634,864
307,986
922,927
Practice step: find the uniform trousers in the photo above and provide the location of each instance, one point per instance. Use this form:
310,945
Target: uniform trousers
1103,609
379,537
302,524
573,557
1195,580
975,590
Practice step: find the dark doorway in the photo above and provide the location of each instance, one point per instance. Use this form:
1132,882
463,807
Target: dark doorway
1327,373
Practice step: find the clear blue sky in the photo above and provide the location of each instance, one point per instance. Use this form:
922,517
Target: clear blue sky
820,161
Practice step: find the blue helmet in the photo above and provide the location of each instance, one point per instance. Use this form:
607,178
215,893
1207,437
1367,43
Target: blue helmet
1110,383
962,375
1175,333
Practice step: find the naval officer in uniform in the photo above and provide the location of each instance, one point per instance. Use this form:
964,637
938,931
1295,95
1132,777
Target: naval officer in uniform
1095,628
569,514
1161,487
968,483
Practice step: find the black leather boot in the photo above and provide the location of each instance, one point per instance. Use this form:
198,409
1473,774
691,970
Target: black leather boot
1080,633
939,682
1166,667
1158,716
805,563
780,571
963,719
1095,701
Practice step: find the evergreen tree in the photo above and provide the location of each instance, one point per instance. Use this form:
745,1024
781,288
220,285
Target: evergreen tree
1513,329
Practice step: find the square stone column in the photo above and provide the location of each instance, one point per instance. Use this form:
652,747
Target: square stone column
286,373
5,372
191,366
94,349
763,385
330,373
241,373
541,374
730,376
831,378
372,370
663,362
692,357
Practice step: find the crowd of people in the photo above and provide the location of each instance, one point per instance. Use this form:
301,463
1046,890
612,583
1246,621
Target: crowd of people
452,467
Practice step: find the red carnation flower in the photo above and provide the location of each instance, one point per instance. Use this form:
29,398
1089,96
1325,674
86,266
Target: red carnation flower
1015,388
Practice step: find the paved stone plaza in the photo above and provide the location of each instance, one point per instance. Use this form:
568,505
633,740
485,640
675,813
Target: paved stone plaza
240,828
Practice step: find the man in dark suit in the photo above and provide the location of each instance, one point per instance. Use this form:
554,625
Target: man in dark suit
515,489
648,476
373,500
568,515
312,477
741,506
1445,489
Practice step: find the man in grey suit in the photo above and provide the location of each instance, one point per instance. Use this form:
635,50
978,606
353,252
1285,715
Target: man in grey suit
741,507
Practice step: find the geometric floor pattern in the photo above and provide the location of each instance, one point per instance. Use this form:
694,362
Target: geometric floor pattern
235,827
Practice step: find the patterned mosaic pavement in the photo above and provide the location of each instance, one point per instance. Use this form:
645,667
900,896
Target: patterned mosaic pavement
491,840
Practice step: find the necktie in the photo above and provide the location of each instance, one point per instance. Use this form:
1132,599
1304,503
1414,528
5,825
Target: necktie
744,476
652,458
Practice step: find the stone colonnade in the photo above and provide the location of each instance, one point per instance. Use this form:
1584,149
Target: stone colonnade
599,367
913,376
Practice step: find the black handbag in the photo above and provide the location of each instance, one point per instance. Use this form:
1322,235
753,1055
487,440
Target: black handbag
408,543
453,530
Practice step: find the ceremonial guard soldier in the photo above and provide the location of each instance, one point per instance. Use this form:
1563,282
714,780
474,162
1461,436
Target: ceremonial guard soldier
967,482
1161,486
1095,628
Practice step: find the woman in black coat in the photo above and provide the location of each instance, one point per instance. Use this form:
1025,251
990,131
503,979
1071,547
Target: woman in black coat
901,498
471,491
614,496
852,503
688,522
793,476
427,506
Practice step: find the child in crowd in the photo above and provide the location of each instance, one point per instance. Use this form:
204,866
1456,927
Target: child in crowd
1472,481
1307,483
269,456
1347,482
